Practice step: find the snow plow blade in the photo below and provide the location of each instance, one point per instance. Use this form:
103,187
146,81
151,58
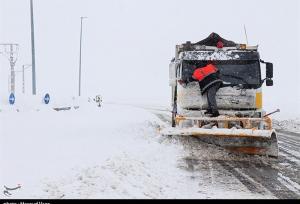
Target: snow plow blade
260,142
246,141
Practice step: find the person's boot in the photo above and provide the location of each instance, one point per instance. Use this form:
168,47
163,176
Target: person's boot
208,112
215,114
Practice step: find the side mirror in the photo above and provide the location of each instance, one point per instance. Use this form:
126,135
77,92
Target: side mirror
269,70
269,82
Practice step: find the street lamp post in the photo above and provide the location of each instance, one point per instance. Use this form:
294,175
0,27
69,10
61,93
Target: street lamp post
80,52
32,50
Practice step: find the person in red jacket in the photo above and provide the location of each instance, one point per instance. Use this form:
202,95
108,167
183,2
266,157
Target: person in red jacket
209,82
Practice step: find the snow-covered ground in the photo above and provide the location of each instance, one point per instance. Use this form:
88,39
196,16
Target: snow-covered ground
292,125
110,152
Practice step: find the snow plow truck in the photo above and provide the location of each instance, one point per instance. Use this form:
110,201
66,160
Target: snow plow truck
243,126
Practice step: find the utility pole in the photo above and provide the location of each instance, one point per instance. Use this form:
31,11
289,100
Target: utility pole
80,51
23,79
246,34
11,52
32,51
12,70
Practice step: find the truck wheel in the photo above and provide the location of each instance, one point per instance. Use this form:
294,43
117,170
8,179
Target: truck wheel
174,113
174,110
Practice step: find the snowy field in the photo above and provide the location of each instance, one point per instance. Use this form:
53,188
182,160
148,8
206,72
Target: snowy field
109,152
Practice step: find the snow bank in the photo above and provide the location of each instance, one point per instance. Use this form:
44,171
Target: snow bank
48,146
110,152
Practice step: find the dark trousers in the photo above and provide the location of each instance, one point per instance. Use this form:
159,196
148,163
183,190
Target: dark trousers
211,97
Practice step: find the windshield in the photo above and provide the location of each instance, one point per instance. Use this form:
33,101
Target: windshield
232,72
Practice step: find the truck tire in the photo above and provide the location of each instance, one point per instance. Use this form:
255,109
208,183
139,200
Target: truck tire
174,112
174,108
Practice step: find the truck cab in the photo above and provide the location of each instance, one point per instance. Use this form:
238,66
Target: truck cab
239,68
243,126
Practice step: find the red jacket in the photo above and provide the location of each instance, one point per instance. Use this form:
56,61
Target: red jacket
201,73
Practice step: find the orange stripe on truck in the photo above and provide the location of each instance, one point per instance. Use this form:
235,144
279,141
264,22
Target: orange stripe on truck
258,100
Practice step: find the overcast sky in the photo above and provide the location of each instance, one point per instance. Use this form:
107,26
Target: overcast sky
128,44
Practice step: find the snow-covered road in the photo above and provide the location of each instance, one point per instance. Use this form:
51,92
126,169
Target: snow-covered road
116,152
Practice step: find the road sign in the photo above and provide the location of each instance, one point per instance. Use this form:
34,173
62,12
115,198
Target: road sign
47,98
12,99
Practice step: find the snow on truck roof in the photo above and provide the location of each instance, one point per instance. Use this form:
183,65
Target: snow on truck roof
219,55
216,48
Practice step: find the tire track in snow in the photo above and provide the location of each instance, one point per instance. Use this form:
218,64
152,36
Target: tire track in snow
295,144
291,184
288,154
285,159
211,172
289,142
289,136
288,146
268,176
249,183
283,139
294,135
288,168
